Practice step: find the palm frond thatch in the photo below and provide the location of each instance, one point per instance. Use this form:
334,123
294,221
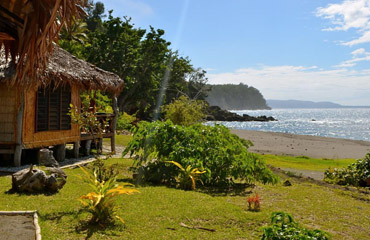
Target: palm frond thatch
63,68
28,29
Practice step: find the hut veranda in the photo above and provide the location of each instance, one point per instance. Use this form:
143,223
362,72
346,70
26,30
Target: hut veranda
36,116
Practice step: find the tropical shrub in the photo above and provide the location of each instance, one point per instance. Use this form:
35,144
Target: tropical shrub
188,176
222,155
184,111
355,174
100,202
124,121
284,227
103,102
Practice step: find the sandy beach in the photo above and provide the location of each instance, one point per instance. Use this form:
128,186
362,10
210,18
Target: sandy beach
301,145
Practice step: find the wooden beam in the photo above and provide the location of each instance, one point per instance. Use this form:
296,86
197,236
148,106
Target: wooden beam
114,123
18,147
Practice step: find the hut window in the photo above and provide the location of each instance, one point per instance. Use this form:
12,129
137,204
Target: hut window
52,109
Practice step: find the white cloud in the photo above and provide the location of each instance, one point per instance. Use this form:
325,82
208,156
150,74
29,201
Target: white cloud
360,51
350,14
358,55
302,83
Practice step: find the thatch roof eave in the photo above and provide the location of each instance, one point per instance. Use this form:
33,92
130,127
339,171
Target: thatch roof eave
63,68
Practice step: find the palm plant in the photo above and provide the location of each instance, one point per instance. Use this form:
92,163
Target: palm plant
100,202
75,33
188,176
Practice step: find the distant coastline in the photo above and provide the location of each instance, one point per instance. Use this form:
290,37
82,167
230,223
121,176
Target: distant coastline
292,104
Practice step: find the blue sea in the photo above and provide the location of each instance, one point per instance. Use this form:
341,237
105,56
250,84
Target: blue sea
348,123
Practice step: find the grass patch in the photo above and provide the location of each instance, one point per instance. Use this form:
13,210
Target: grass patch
305,163
156,213
121,140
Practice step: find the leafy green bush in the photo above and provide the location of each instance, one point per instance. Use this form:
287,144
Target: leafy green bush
284,227
224,156
124,121
355,174
184,111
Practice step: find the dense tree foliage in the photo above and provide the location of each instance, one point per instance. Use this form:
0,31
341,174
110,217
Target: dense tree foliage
154,73
236,97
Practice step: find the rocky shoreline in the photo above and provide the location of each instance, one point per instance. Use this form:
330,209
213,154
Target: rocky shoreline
215,113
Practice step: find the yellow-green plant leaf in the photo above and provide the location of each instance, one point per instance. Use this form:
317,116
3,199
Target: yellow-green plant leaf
177,164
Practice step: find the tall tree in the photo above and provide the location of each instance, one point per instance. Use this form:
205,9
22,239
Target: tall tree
95,13
74,37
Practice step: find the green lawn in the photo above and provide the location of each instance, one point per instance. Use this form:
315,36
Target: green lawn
305,163
156,213
121,140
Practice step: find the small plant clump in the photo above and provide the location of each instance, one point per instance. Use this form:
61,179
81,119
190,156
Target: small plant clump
284,227
254,203
100,202
356,174
188,176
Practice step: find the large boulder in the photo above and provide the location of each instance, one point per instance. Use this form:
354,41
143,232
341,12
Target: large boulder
37,180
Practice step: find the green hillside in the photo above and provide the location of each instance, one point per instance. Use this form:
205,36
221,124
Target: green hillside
236,97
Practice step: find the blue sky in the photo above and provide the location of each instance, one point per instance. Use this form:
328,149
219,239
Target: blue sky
289,49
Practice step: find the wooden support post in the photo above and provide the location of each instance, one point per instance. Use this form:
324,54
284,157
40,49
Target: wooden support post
60,152
76,149
99,148
17,155
88,147
114,123
18,147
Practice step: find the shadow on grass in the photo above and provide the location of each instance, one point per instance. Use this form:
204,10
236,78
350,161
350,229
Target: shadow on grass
84,227
238,189
57,216
89,228
45,193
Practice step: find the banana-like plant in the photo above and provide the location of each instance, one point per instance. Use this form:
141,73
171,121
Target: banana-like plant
100,202
188,176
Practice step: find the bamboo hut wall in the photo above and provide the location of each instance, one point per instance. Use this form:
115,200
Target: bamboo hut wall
8,103
33,139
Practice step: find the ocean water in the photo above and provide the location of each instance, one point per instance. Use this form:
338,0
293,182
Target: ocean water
348,123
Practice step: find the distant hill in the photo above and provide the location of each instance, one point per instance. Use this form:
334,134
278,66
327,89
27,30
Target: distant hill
306,104
236,97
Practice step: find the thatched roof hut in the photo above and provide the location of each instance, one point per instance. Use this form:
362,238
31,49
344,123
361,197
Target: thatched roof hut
39,81
37,116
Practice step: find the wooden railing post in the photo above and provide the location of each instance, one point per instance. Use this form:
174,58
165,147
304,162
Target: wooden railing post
114,123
